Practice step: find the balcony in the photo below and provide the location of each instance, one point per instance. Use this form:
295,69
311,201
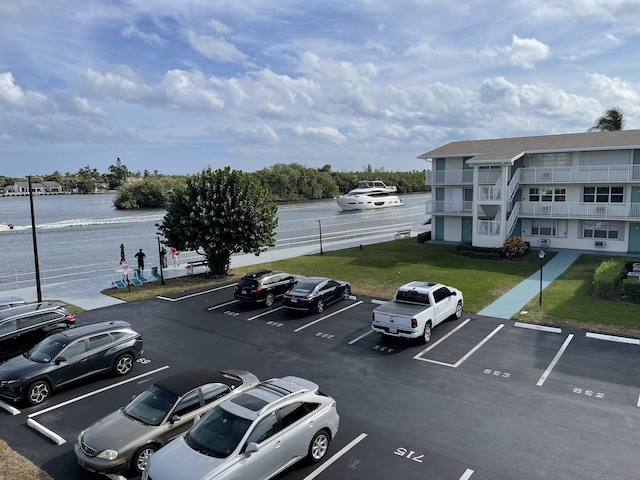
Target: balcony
581,174
465,176
579,210
449,207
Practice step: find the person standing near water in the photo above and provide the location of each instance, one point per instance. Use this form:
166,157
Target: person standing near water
140,256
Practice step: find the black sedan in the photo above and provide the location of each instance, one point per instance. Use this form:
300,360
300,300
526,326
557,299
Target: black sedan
68,356
312,294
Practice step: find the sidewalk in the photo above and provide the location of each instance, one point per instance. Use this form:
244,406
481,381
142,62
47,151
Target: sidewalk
512,302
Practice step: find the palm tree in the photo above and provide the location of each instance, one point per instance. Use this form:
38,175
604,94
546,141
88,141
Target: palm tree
612,120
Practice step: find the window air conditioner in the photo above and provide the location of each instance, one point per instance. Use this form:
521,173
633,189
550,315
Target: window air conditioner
600,243
545,241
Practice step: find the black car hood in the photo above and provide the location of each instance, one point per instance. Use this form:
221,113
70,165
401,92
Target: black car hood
20,366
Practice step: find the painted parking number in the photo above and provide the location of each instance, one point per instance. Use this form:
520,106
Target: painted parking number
408,454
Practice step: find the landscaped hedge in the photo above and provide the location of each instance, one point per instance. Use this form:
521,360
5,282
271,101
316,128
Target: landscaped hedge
479,253
424,237
631,289
607,277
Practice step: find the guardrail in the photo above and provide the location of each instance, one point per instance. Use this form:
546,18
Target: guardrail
108,269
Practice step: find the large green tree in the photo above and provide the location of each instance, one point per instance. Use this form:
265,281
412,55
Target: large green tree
219,213
612,120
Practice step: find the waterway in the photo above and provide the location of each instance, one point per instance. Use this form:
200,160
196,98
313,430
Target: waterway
87,229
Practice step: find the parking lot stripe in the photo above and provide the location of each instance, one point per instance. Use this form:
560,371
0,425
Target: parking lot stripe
467,474
434,345
57,439
360,337
467,355
197,294
547,372
335,457
264,313
223,305
638,404
100,390
327,316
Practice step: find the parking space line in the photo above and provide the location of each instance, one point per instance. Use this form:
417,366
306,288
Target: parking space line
327,316
467,355
100,390
335,457
265,313
467,474
360,337
638,404
222,305
191,295
547,372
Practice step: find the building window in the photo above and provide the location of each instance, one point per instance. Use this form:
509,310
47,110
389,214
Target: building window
548,228
547,194
605,229
603,194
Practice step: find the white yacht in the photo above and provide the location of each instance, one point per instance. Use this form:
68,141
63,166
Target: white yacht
369,194
5,227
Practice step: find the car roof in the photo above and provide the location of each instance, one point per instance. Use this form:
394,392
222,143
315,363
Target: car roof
73,333
314,280
184,382
267,394
29,308
260,273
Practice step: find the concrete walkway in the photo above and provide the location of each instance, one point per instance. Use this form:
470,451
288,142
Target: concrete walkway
512,302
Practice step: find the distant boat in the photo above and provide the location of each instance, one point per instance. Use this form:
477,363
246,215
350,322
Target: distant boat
369,195
5,227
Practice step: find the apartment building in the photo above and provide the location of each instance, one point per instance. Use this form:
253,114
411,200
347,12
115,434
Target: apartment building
578,191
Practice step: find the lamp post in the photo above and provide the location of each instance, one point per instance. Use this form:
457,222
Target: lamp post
320,228
541,257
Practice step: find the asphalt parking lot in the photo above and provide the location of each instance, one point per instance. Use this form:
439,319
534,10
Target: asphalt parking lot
486,399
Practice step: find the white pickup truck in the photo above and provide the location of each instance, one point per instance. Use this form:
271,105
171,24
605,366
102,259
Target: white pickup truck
416,308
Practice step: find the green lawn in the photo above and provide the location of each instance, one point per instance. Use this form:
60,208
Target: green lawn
377,270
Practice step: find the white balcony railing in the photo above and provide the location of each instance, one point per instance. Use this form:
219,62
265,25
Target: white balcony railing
581,174
604,211
449,207
489,227
452,177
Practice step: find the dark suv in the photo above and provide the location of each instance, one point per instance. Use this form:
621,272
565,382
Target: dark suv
68,356
21,327
264,286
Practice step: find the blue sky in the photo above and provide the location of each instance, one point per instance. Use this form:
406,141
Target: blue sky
176,86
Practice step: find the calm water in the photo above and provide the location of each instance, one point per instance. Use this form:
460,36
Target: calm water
87,229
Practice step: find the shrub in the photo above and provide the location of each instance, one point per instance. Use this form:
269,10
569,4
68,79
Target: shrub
514,247
424,237
607,277
631,290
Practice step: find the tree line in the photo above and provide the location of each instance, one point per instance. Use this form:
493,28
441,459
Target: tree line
282,182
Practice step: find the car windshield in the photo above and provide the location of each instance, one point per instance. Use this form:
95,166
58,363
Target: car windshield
151,406
303,288
218,433
44,351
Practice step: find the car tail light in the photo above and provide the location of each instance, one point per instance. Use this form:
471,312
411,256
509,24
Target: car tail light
414,323
71,317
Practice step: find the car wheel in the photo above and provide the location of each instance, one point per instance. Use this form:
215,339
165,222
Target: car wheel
458,313
319,446
141,458
426,335
38,392
124,364
269,300
320,306
347,293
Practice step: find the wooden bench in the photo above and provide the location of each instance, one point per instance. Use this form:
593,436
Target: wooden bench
406,233
195,263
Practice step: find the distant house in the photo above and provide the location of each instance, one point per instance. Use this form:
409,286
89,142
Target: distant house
578,190
38,188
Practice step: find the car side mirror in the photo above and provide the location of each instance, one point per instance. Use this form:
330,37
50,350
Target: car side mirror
174,419
59,360
252,447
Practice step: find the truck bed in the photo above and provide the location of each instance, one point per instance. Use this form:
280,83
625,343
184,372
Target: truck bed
401,308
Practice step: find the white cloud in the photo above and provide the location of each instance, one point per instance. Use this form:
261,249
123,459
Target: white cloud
329,134
215,48
257,134
131,31
12,95
523,52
